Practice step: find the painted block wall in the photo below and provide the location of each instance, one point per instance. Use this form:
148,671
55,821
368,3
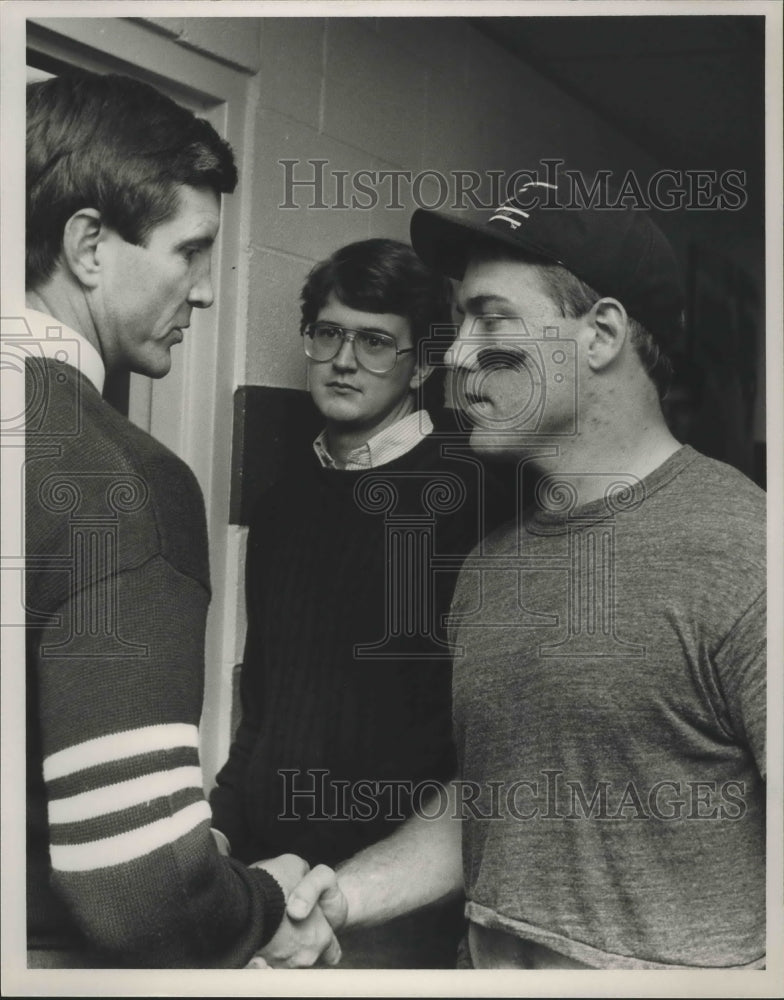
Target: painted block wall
425,95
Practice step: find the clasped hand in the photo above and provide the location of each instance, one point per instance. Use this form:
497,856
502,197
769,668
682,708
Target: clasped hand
315,909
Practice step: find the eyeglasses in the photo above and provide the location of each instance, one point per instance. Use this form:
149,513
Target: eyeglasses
376,352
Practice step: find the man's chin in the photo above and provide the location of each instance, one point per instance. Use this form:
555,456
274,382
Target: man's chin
500,443
155,369
489,441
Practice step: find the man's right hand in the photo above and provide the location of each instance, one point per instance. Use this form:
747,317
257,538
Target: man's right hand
418,865
321,887
301,941
288,870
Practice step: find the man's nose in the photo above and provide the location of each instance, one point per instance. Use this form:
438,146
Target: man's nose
462,352
202,294
345,358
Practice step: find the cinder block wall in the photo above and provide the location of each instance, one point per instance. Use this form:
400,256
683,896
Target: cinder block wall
415,94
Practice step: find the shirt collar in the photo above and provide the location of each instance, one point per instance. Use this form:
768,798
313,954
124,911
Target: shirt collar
53,339
388,444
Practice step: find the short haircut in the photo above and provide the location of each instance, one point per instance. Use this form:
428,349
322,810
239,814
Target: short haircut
380,276
117,145
575,298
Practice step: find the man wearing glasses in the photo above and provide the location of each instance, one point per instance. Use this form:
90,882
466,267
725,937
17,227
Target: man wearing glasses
609,702
346,675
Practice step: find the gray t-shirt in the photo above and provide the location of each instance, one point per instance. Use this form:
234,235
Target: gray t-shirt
609,712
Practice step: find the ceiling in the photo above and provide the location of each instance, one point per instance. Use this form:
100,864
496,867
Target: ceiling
689,90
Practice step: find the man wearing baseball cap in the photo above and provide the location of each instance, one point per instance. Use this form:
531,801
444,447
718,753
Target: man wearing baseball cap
609,680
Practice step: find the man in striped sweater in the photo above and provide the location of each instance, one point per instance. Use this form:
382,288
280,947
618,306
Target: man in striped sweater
123,207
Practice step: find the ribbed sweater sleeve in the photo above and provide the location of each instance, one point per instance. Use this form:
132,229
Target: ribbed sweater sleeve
131,852
115,685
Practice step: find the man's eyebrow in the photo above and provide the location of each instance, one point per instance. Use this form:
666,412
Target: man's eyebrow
479,304
362,329
197,241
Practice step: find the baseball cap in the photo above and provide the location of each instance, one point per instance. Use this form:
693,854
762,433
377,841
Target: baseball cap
619,252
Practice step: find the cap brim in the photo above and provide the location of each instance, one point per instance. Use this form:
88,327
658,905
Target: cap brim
445,243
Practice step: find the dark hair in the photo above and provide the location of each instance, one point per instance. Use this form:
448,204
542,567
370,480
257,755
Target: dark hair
117,145
575,298
381,276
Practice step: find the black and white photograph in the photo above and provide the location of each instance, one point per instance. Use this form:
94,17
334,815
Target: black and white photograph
393,486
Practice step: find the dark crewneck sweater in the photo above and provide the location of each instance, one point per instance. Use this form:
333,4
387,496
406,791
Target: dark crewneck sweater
317,585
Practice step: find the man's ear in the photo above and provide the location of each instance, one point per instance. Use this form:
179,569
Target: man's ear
82,236
609,323
421,374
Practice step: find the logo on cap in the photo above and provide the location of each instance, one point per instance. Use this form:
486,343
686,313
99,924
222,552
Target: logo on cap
509,212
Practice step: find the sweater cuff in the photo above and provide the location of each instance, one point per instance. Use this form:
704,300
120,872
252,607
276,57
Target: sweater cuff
274,903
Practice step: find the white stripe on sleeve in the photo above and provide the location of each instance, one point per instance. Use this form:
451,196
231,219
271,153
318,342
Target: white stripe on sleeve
123,795
116,746
129,846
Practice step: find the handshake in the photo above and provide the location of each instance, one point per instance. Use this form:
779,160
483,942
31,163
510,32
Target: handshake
315,909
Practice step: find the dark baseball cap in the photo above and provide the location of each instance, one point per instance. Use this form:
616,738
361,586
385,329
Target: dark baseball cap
619,252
